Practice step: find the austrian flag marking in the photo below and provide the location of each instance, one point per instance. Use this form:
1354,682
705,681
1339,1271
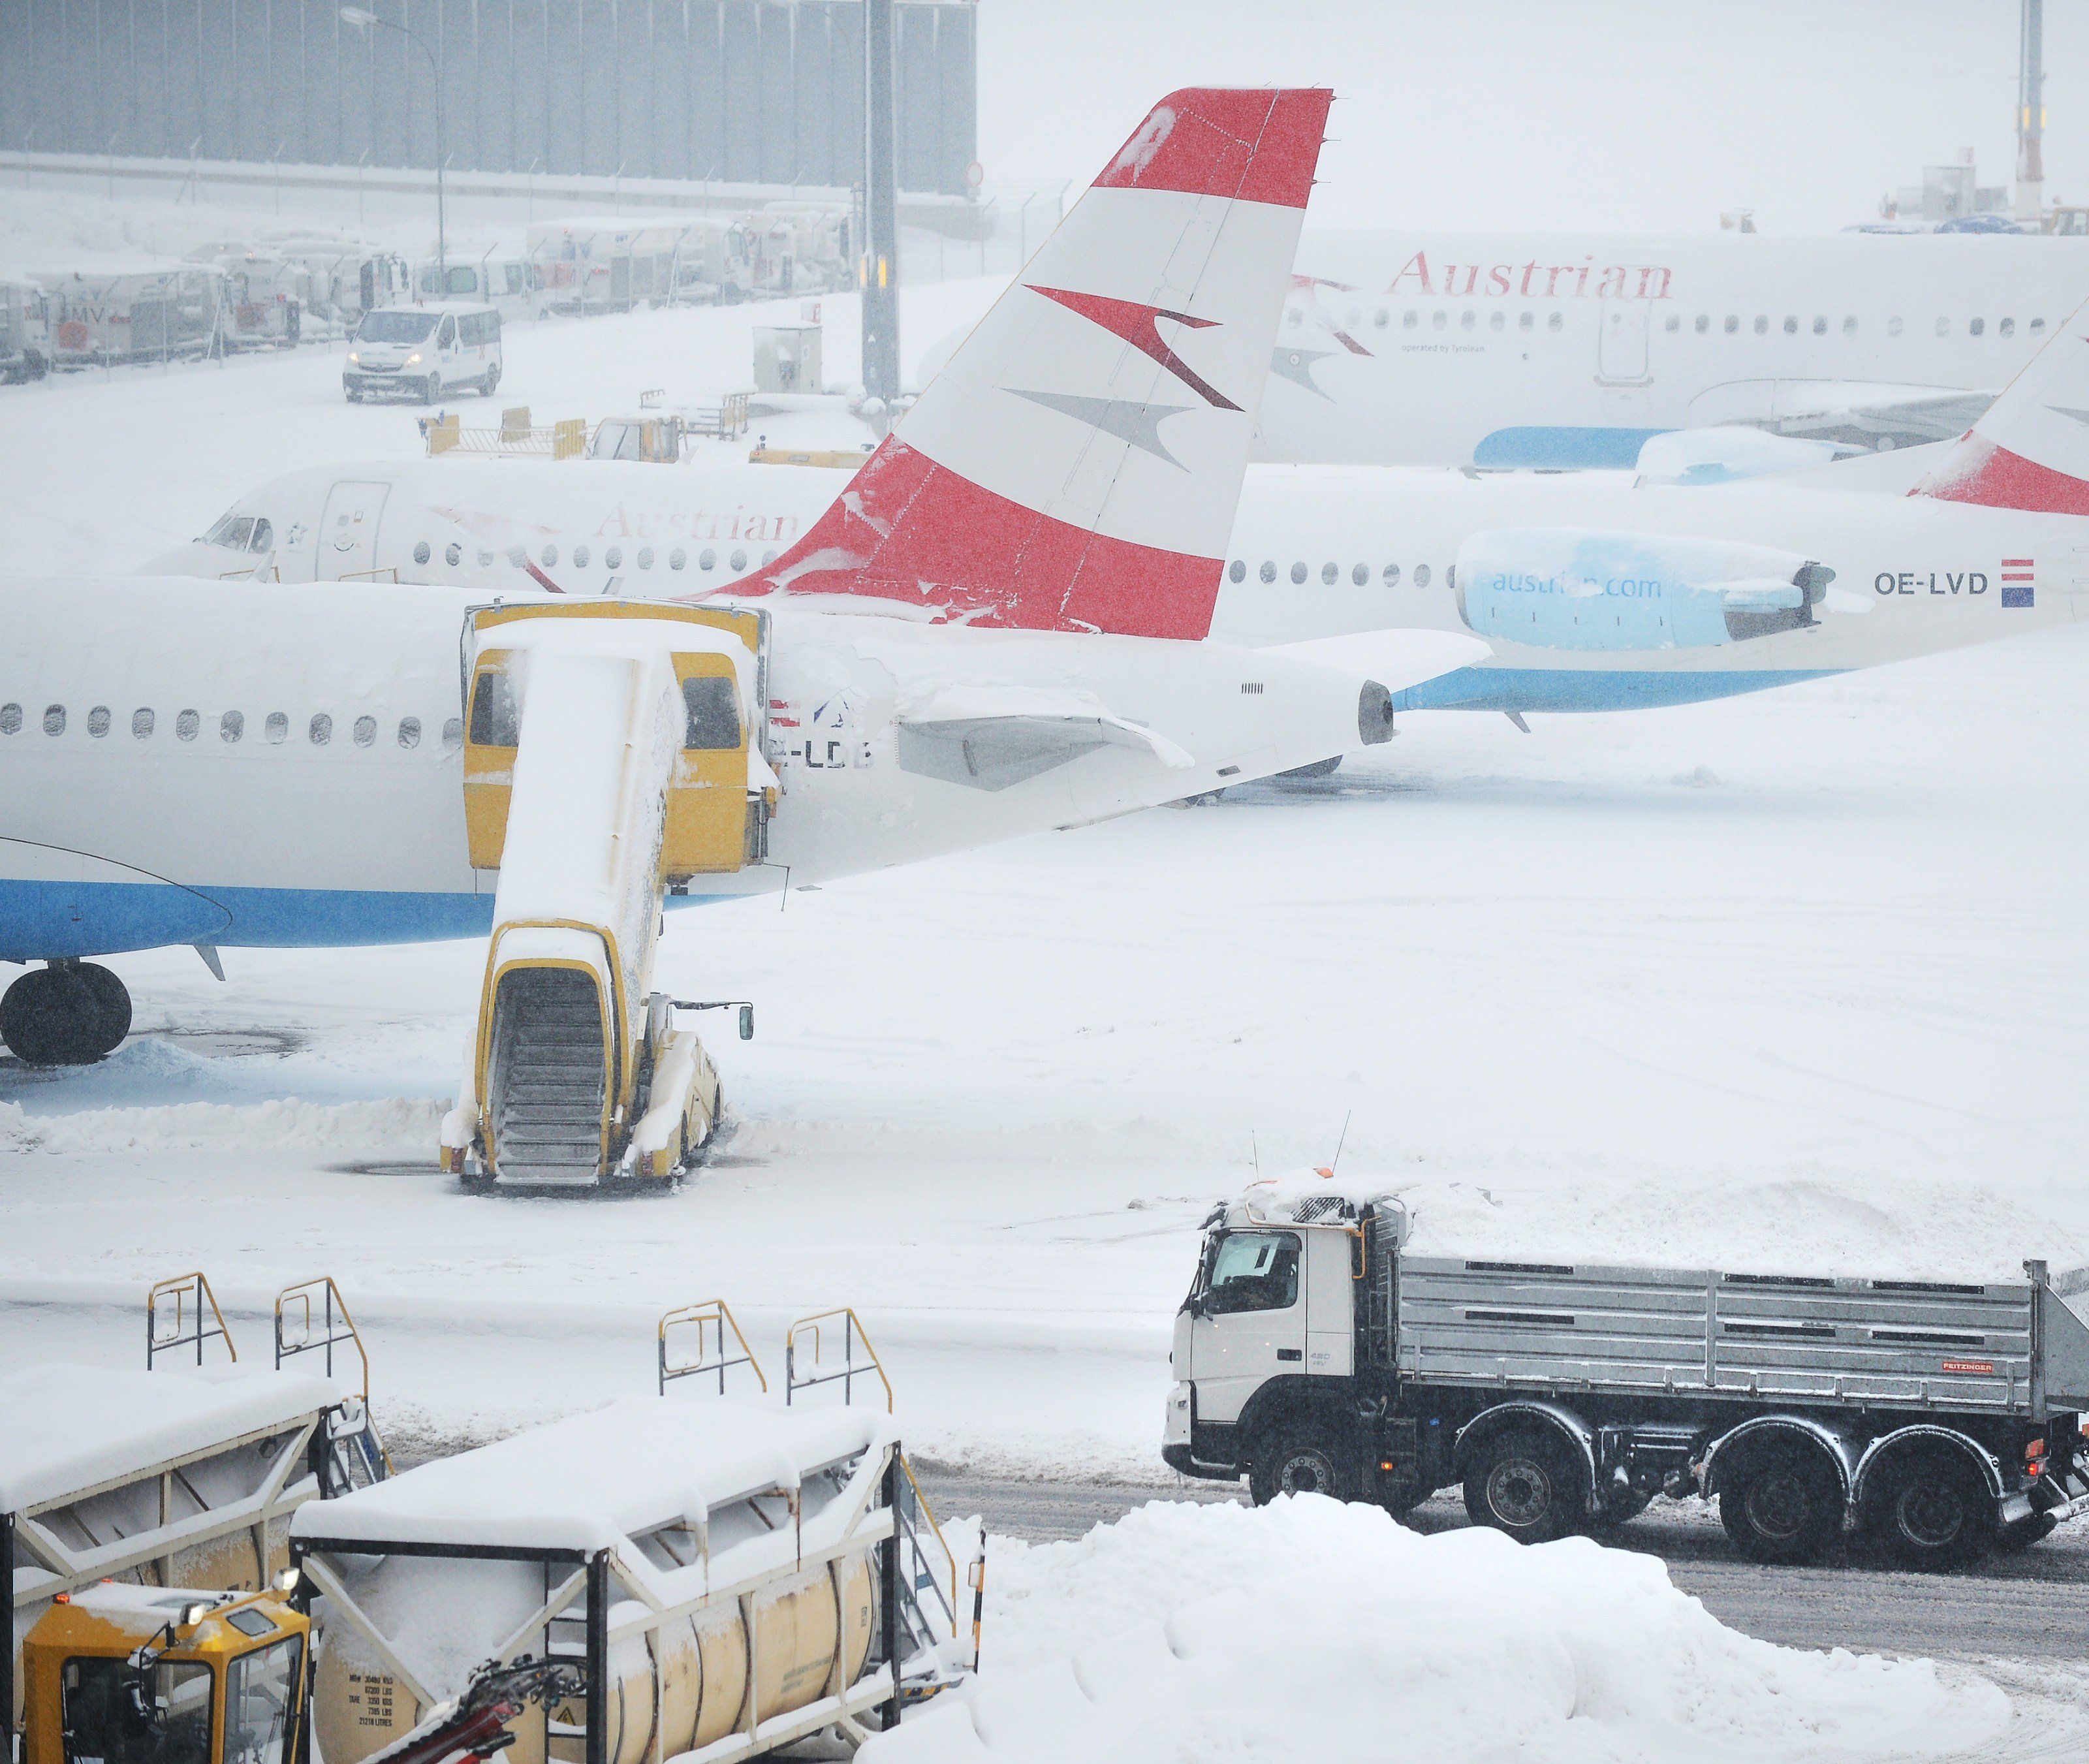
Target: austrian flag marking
2019,581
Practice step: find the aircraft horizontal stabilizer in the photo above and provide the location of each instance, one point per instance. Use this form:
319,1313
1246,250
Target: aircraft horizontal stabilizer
989,736
1396,659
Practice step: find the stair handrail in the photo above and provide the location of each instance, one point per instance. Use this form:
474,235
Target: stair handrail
716,1314
853,1332
302,1293
181,1289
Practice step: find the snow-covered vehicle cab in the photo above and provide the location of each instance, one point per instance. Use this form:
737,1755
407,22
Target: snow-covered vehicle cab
422,352
25,333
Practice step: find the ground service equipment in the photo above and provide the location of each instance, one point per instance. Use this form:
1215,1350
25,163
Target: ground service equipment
612,751
1314,1353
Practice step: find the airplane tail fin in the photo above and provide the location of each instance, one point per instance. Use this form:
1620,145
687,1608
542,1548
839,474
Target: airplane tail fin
2031,449
1077,465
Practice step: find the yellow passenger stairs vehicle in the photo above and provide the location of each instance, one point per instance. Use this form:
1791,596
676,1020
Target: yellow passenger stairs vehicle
614,752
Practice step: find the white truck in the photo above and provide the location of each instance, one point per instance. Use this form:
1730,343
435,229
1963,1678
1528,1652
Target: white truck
1315,1353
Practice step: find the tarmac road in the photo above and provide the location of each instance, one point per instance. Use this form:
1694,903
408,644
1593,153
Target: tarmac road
2032,1606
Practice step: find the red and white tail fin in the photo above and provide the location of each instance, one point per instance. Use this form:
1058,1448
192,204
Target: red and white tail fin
1077,465
2030,450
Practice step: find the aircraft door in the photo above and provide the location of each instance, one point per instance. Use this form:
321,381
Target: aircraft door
348,529
1621,341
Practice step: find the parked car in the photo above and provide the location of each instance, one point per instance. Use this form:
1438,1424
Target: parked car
422,352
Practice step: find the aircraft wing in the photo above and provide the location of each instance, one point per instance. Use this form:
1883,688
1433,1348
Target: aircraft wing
988,735
1862,412
1396,659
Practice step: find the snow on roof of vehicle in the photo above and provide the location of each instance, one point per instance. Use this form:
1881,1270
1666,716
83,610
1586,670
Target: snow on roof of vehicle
1313,1196
591,1480
69,1428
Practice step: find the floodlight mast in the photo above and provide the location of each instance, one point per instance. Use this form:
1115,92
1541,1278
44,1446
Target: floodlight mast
364,19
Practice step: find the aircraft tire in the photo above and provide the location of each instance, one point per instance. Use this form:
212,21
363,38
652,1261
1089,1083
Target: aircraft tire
54,1016
114,999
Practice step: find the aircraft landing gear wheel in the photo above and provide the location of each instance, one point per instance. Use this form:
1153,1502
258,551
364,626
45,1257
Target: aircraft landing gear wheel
68,1015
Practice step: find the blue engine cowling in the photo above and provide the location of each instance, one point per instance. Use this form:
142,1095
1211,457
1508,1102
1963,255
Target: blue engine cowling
1568,588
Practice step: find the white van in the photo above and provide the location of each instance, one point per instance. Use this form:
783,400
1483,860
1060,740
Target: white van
422,352
508,285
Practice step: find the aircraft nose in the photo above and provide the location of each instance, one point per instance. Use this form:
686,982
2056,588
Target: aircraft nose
193,559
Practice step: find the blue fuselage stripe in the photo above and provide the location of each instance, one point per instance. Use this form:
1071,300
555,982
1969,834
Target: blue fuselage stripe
1590,688
1562,449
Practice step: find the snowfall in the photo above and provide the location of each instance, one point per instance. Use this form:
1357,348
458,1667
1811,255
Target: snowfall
1790,983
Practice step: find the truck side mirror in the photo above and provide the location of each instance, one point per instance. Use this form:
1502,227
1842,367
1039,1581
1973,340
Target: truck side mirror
747,1023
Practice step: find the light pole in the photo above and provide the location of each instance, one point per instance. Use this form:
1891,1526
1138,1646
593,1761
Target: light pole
363,19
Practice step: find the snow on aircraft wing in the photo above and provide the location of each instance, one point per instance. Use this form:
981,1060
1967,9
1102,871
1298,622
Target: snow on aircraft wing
1844,409
989,737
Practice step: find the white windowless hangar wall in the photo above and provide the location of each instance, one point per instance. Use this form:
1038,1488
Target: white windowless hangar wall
757,92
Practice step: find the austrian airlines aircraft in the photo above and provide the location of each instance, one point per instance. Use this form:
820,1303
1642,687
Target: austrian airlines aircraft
1593,590
1561,350
997,627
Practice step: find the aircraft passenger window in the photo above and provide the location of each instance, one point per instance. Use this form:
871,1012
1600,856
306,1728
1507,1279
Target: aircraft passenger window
769,557
10,719
185,726
1421,575
1467,320
320,731
1944,327
1704,323
1451,576
1298,576
421,552
1555,323
452,734
1762,324
2036,326
2005,327
1821,325
1975,327
1733,323
1674,322
1237,571
710,704
1524,319
1497,320
644,557
1392,575
366,730
1360,575
453,555
1791,324
1850,325
278,728
614,557
97,721
1330,574
580,557
54,719
496,719
1293,316
141,724
231,726
264,536
677,558
1409,319
1381,318
1268,571
409,731
1439,319
707,559
739,561
550,557
1893,327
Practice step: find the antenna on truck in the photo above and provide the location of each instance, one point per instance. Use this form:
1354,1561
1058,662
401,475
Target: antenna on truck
1339,1144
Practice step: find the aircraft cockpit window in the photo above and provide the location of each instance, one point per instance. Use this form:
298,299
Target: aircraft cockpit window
1268,571
187,724
141,725
1391,575
320,730
235,532
409,731
276,729
10,719
1975,327
1421,575
54,719
264,536
366,730
231,726
1298,576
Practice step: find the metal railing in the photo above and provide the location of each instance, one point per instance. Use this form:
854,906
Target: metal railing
852,1335
710,1320
191,1292
312,1317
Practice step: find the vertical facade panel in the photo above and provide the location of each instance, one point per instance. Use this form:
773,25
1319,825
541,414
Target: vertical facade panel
457,53
563,148
706,88
321,89
354,54
50,56
494,93
597,95
14,75
916,118
634,87
670,88
240,81
289,123
958,55
529,104
847,50
740,79
813,116
217,92
149,78
776,105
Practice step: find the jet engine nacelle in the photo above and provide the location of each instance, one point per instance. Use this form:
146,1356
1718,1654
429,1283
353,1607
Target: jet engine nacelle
1568,588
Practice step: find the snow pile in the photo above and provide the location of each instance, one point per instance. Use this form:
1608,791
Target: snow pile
1313,1630
395,1125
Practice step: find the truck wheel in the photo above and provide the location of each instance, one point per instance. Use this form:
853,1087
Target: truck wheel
1936,1513
1785,1506
2027,1532
1303,1458
1522,1483
1619,1510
